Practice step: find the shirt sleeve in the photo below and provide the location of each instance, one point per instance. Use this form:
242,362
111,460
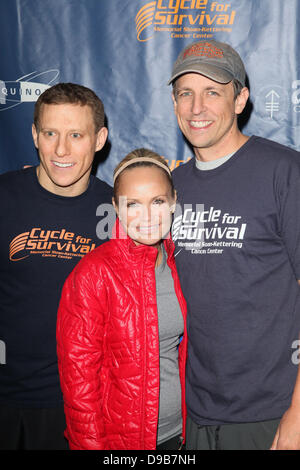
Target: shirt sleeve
288,196
80,325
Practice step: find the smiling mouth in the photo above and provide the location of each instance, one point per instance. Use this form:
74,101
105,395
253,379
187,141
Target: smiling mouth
63,165
200,124
148,229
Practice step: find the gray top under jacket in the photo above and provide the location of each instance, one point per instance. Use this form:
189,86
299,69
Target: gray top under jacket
171,326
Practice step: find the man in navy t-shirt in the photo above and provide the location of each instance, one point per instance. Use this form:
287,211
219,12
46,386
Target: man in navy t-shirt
237,236
50,218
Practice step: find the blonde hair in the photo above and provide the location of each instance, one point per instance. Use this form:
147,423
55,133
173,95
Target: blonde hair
147,158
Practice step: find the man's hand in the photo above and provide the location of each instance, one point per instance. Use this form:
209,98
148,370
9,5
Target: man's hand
287,436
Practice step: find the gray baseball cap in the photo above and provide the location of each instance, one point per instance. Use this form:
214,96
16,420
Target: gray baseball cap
215,60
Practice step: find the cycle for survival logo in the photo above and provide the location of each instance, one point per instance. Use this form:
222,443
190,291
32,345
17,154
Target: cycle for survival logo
188,19
207,231
49,243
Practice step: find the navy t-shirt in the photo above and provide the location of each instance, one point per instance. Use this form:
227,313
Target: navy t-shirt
42,238
237,235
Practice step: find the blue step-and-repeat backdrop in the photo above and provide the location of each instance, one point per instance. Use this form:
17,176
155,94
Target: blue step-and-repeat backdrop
124,50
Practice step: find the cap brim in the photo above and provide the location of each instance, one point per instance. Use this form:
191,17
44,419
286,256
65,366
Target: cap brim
208,70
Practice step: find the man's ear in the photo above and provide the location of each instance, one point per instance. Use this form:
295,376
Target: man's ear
241,100
101,138
35,135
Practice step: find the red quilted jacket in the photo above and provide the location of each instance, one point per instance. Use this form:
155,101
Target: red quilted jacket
108,347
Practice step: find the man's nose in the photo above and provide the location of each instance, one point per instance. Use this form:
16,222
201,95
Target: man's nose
63,147
198,104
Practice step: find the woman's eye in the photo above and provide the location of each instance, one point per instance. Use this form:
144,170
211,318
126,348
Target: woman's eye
76,135
159,201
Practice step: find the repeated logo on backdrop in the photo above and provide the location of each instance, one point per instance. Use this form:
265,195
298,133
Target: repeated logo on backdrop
25,89
186,19
276,103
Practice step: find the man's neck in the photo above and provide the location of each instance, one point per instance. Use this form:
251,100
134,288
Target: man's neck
73,190
221,150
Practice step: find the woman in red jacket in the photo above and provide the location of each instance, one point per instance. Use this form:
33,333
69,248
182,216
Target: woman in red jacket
120,321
